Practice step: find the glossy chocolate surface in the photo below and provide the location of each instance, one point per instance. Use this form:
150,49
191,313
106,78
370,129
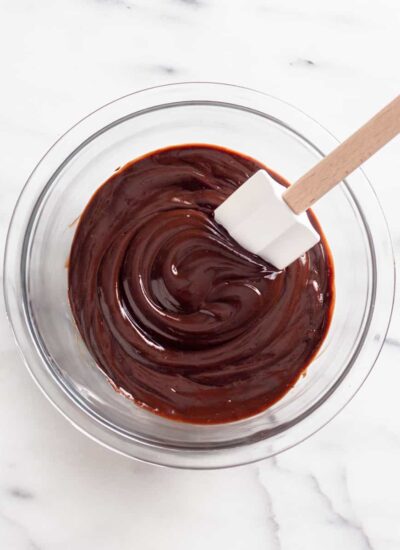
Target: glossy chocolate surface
173,310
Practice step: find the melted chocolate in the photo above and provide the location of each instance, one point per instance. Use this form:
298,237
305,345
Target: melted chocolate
173,310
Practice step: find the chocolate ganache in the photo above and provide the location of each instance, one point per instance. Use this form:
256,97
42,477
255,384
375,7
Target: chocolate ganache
173,310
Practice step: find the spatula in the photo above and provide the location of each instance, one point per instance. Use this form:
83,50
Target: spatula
271,222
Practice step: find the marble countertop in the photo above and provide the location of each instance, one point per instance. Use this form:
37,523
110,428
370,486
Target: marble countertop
339,62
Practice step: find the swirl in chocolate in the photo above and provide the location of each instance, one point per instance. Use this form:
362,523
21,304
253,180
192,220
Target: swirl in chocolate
173,310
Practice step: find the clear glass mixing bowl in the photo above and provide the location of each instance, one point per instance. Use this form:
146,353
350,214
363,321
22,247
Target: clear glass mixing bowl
43,226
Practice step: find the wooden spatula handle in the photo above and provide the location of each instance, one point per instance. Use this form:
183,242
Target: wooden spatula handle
345,159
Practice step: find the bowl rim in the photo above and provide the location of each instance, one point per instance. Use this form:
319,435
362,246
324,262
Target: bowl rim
87,423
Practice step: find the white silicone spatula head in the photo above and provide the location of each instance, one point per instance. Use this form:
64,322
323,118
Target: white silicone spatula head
269,221
258,218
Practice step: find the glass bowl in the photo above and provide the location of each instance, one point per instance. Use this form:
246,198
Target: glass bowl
43,226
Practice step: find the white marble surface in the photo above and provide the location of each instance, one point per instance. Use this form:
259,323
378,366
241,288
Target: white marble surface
338,61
